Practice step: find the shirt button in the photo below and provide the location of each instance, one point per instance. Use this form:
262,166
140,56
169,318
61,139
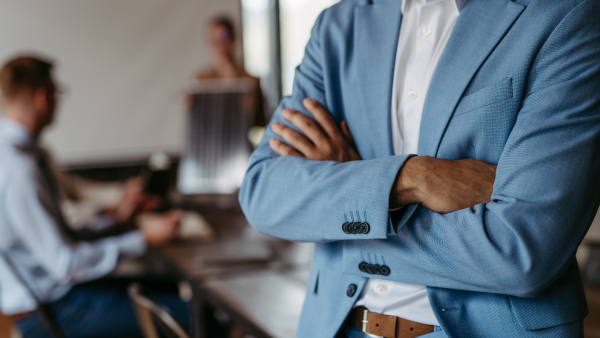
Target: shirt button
382,288
427,31
412,94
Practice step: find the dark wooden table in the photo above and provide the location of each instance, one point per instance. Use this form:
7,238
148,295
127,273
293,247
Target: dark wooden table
592,321
263,297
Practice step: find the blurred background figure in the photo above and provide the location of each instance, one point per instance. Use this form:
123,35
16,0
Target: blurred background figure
60,266
225,116
221,35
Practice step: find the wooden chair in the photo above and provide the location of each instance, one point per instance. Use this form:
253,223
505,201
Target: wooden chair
152,318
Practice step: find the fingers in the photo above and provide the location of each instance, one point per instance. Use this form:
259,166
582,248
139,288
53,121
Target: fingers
294,138
308,126
174,217
323,117
282,148
346,132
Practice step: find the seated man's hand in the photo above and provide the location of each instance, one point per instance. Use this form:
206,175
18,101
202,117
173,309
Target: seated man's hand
158,229
323,140
443,186
133,202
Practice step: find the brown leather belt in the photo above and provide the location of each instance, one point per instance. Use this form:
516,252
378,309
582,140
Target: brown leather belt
376,325
15,318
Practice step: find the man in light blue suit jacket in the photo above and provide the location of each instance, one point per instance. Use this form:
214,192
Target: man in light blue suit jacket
517,86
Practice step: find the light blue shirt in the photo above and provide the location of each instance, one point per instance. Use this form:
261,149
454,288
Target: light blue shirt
47,260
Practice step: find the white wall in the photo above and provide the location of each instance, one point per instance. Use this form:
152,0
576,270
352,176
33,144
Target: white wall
124,63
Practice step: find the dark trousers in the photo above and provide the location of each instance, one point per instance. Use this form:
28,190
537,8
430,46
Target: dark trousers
103,309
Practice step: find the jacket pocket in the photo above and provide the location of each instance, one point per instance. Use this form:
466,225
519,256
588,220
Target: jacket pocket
562,303
485,97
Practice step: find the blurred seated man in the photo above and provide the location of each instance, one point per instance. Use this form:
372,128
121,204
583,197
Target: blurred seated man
221,35
61,270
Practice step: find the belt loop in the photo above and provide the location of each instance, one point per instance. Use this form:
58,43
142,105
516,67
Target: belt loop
394,323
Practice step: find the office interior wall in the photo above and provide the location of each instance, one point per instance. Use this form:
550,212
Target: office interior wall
297,19
124,65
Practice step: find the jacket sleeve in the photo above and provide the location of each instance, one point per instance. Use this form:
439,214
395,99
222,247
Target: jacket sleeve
304,200
546,191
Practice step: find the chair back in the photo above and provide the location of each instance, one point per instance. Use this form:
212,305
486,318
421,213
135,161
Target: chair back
151,316
20,290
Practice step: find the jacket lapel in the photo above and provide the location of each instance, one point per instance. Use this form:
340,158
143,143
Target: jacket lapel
376,28
478,30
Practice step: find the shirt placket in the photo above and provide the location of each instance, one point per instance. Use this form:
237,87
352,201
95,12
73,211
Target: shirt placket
414,91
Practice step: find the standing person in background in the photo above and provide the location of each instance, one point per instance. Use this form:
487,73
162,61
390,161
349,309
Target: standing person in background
221,35
60,269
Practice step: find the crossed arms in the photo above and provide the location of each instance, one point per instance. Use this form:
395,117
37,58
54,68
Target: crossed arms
440,185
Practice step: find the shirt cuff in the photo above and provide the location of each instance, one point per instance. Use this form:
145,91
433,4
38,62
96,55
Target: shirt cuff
131,244
395,215
102,222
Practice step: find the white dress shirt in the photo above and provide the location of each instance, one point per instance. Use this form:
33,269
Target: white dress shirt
424,32
32,234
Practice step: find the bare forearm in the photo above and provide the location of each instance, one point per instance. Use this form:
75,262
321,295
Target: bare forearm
405,190
441,185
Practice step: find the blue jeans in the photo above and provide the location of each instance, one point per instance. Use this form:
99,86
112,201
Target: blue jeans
103,309
351,331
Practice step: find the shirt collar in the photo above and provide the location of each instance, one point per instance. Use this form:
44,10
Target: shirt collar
16,134
459,4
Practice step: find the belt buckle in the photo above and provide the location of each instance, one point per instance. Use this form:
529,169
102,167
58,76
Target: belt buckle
364,326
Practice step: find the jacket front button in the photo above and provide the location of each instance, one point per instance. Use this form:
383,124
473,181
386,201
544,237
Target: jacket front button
361,266
351,290
384,270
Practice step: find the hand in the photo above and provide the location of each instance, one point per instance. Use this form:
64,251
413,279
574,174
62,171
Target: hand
322,139
443,186
187,100
133,202
158,229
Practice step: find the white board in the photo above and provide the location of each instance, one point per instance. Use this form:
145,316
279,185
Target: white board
124,64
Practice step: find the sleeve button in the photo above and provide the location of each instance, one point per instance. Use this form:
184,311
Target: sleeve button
375,269
384,270
361,266
356,227
345,227
364,228
369,269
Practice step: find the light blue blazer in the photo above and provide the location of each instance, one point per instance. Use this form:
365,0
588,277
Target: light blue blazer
518,85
